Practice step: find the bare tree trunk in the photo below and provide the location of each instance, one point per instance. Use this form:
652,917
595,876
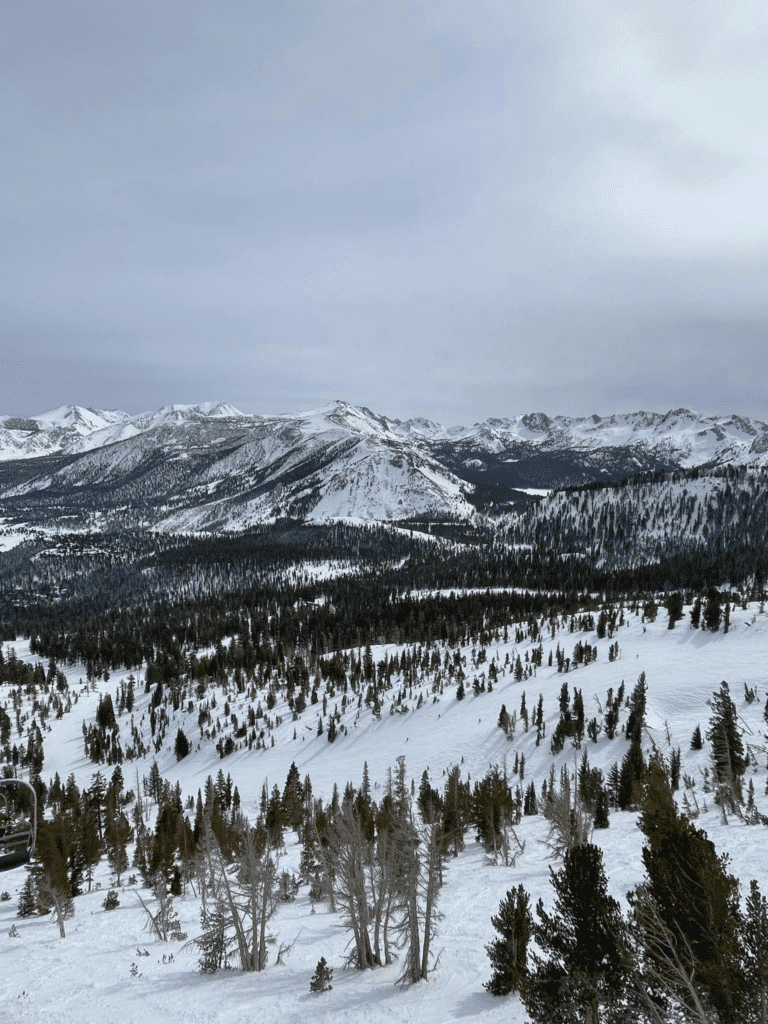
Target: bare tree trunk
269,870
350,853
326,869
412,972
431,885
245,895
61,904
387,919
673,964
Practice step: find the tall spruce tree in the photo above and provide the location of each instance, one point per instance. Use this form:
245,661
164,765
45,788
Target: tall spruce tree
509,954
587,958
728,757
688,907
755,936
712,609
674,606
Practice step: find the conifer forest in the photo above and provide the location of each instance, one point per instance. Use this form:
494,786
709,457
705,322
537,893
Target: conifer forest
512,767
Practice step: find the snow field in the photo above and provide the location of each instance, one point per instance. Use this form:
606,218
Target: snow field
87,977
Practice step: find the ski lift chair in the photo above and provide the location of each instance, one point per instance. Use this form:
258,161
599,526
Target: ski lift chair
17,834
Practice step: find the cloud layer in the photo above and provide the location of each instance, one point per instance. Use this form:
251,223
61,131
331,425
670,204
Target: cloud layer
448,209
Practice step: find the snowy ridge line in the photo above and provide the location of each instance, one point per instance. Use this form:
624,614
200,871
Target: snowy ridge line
692,438
197,469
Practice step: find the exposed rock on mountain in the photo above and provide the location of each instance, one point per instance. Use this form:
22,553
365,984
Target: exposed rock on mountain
203,467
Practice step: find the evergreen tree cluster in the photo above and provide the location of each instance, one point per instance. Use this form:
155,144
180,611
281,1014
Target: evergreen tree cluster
685,950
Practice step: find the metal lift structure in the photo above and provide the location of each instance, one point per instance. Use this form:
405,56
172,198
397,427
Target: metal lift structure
18,822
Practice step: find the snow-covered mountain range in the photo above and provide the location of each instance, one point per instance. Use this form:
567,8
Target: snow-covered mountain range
210,466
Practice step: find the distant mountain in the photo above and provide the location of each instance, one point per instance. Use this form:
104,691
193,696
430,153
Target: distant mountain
210,466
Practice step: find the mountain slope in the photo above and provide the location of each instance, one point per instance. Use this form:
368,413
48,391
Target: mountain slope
44,977
187,469
205,467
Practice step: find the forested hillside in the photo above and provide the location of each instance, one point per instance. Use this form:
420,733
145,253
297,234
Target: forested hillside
338,748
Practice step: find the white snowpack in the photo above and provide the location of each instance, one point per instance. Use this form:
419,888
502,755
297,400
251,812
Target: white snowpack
86,978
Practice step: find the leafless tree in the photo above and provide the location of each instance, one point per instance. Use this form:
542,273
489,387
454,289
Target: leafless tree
570,824
244,893
352,855
422,855
670,966
163,924
61,903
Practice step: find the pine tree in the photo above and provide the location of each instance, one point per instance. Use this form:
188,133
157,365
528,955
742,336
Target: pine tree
213,942
688,900
293,798
509,954
117,835
712,610
181,746
637,705
674,769
322,978
729,759
755,938
586,954
89,846
539,719
492,811
612,707
456,810
111,901
27,903
601,810
674,605
429,801
631,775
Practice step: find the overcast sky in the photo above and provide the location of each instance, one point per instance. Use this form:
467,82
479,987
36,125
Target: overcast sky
449,208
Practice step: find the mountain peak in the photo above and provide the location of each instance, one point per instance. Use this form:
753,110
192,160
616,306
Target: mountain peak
83,419
538,421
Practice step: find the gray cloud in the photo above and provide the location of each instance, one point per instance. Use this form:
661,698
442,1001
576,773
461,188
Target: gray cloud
449,209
